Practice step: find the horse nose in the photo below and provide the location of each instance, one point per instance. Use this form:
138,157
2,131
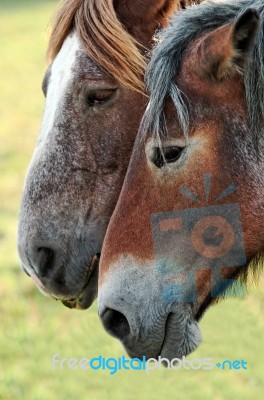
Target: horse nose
42,260
115,323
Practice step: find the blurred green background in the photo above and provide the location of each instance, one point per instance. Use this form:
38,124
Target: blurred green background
32,327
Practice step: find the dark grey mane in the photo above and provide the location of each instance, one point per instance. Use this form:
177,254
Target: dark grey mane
166,59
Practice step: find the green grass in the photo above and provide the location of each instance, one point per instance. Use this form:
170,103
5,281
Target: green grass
33,328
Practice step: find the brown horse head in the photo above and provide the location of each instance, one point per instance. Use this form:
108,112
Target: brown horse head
94,103
190,215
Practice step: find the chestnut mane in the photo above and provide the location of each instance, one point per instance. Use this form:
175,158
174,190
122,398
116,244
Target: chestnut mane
104,38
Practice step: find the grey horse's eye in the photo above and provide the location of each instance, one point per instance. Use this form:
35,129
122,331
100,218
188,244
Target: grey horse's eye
97,98
165,155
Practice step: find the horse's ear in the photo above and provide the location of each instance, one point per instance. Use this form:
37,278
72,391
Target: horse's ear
142,17
226,50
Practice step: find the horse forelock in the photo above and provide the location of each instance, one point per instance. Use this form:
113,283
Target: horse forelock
104,38
167,56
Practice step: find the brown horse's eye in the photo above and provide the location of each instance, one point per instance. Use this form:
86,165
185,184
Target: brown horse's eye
166,155
99,97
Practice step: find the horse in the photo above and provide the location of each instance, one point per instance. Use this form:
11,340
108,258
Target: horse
188,226
95,100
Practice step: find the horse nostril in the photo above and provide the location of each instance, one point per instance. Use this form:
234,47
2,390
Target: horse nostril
115,323
44,258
